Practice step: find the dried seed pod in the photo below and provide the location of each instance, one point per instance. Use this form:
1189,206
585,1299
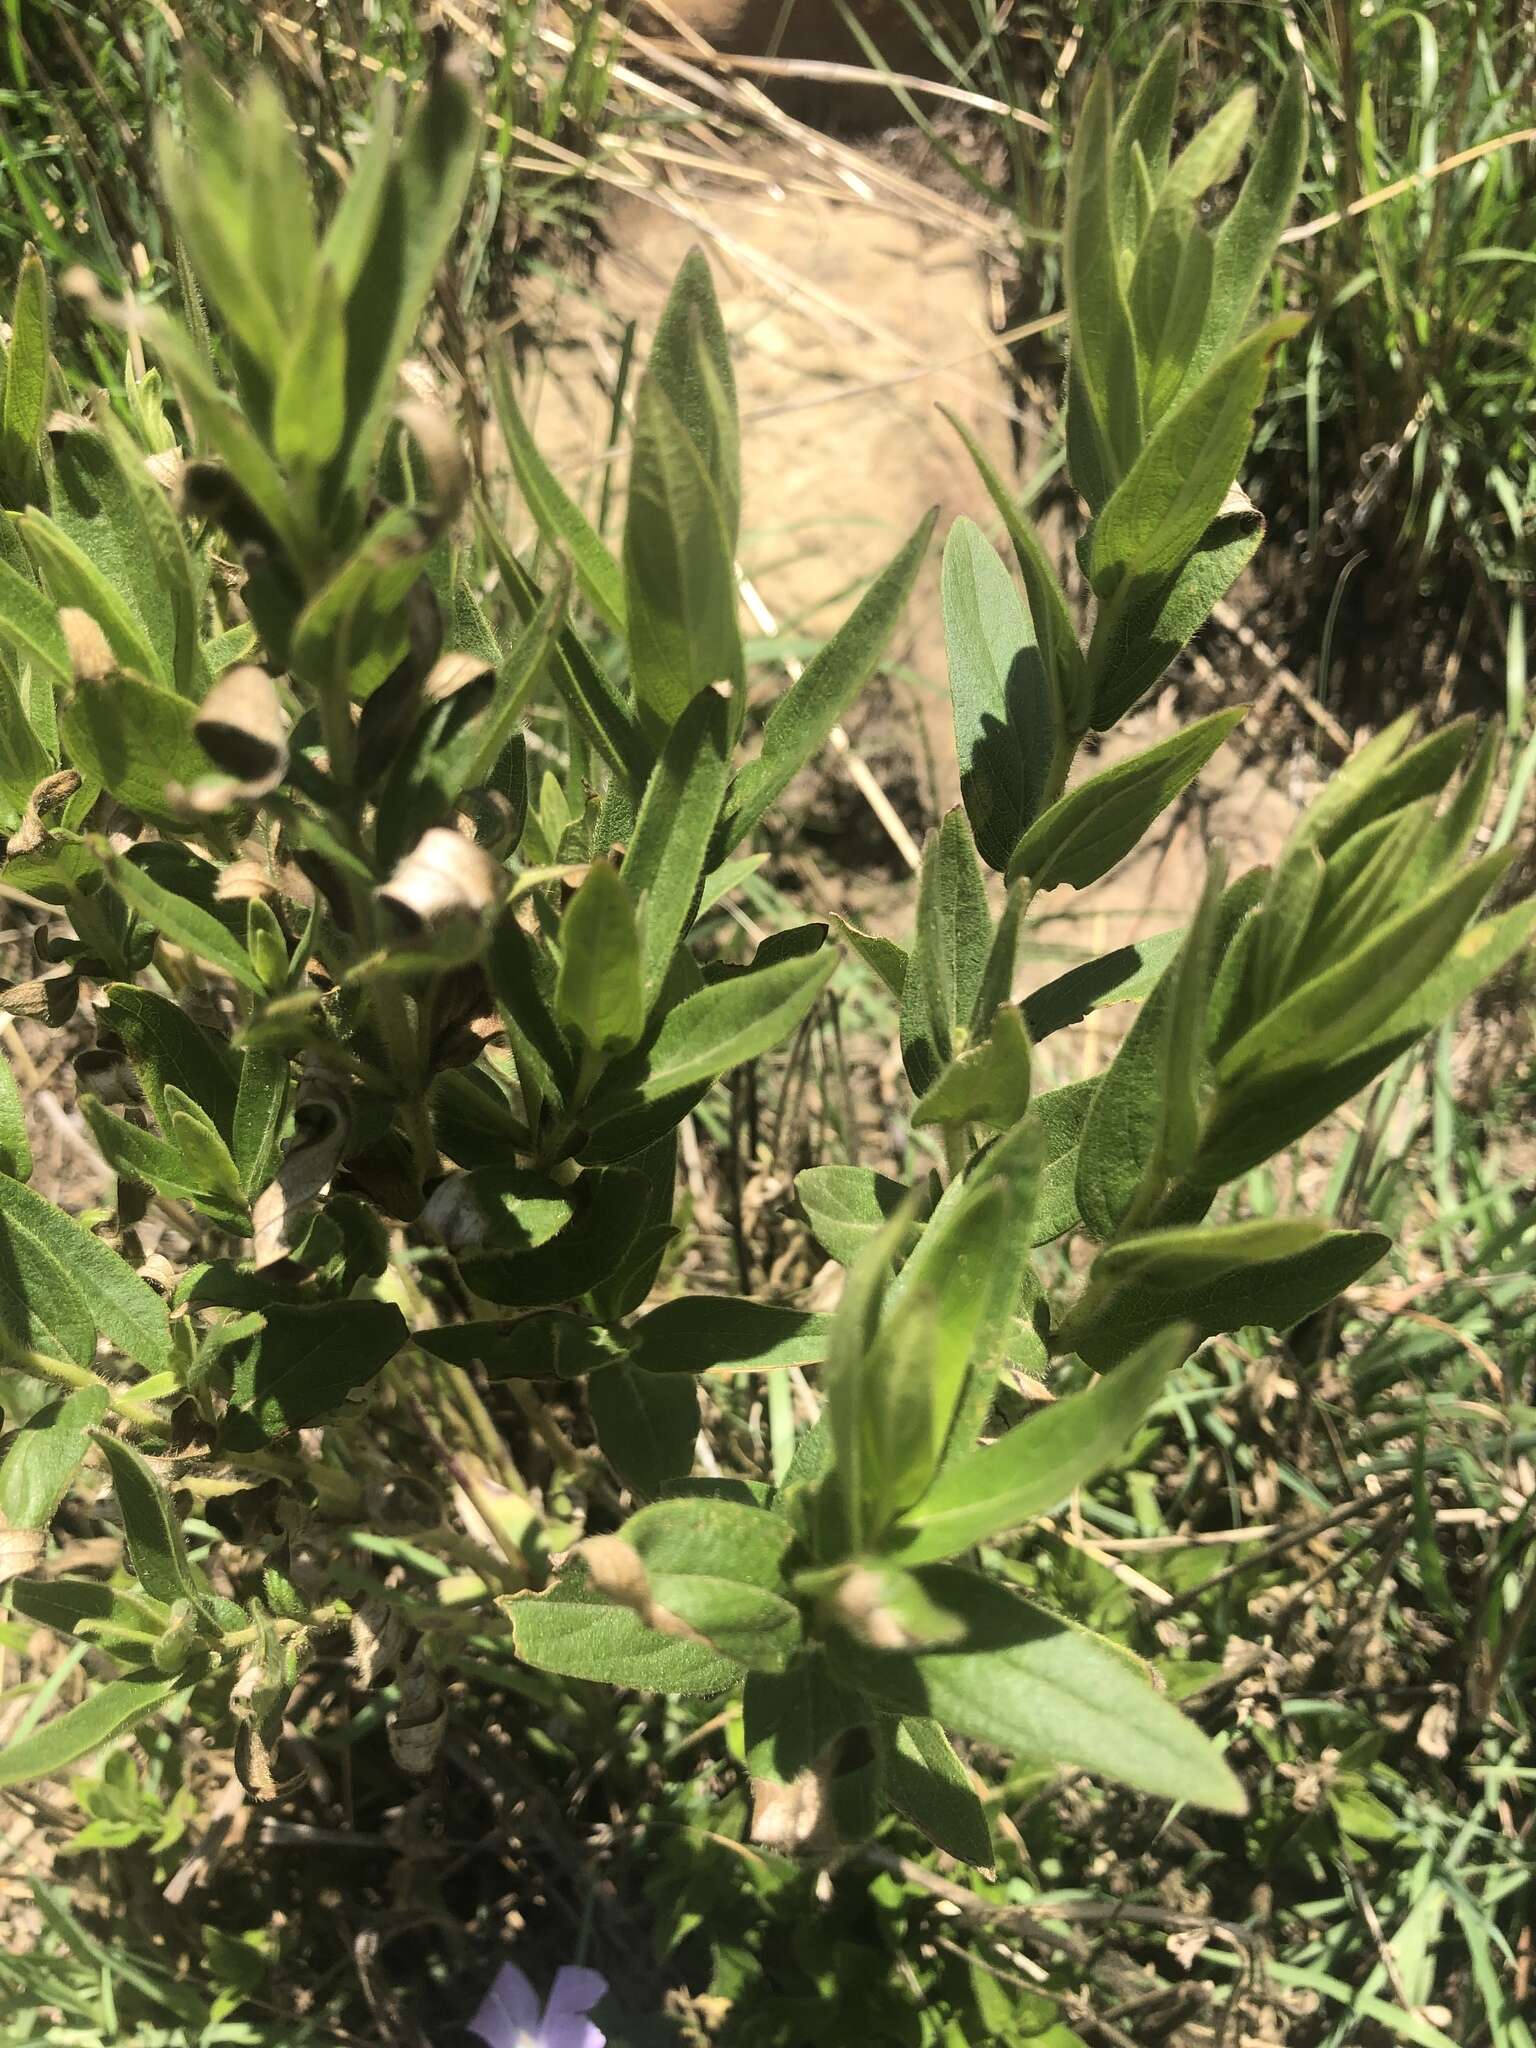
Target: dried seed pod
322,1123
417,1726
444,877
243,729
106,1072
489,819
378,1641
48,999
442,453
21,1551
47,799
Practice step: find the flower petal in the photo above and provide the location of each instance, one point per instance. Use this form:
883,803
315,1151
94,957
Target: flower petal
574,1991
509,2013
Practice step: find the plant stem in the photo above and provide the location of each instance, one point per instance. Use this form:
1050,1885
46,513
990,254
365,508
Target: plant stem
63,1372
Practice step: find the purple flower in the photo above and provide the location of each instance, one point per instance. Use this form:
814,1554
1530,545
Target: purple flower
510,2015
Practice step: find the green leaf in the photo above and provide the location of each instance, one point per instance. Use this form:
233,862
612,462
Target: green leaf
986,1084
1246,240
1146,126
710,1032
310,414
791,1718
576,1633
257,1123
929,1786
107,1711
15,1146
1143,1125
424,183
555,1345
798,725
59,1286
1041,1689
355,629
679,577
646,1425
592,1247
883,957
176,917
949,952
593,699
690,360
1248,1124
699,1332
193,1133
138,1155
523,981
133,739
559,519
1085,832
72,577
718,1566
1135,638
1000,692
29,624
121,1621
665,860
26,374
1170,291
1104,384
1175,488
1061,1115
103,502
1216,1277
307,1360
157,1548
44,1455
1035,1465
167,1047
1054,632
848,1206
1335,1011
598,996
1128,974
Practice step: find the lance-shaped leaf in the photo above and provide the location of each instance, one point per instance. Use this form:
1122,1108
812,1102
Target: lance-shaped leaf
679,576
157,1548
1054,632
73,579
847,1206
798,725
669,847
1246,239
59,1286
987,1083
1145,131
1061,1115
609,1212
1104,390
1158,514
169,1048
134,739
713,1031
1170,291
690,359
1135,638
646,1425
949,952
44,1455
25,401
597,992
177,917
1038,1687
1142,1128
1218,1277
558,517
700,1332
15,1146
1000,693
1249,1123
1085,832
29,626
306,1361
1334,1012
599,706
424,182
121,521
1038,1463
929,1786
107,1711
574,1631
